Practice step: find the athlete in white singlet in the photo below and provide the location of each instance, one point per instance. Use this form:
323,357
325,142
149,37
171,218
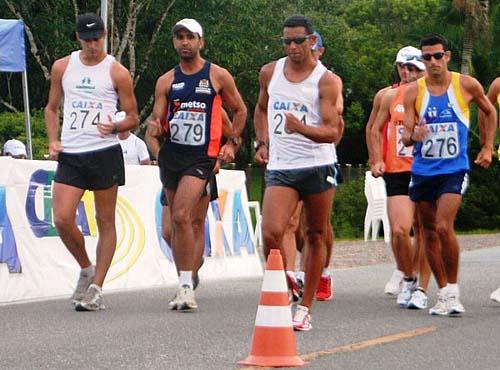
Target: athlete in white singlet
294,126
89,154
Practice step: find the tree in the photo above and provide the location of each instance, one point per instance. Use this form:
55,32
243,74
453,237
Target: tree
475,28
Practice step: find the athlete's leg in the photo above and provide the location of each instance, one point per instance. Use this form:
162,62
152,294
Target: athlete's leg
330,233
447,208
401,211
199,215
65,200
105,207
278,206
166,225
316,208
420,263
289,243
182,201
427,218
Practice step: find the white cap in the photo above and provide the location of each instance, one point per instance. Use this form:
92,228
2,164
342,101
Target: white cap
190,24
14,147
410,55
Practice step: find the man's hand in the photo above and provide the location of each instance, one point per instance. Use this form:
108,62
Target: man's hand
378,169
106,128
420,132
227,153
54,149
292,123
155,127
484,157
262,155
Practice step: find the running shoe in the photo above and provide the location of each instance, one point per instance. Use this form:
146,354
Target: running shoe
393,286
418,300
293,287
441,307
183,300
82,285
455,307
92,300
302,319
495,296
325,289
407,289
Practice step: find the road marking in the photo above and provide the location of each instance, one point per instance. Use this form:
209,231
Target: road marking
360,345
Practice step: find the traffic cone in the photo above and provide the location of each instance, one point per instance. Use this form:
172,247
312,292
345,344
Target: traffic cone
273,342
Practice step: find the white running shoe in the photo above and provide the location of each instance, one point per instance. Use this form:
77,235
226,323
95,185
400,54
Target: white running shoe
418,300
84,281
92,300
407,289
495,296
441,307
302,319
183,300
393,286
455,307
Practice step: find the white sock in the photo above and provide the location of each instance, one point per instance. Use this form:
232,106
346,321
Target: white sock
88,271
186,278
299,275
325,272
443,290
452,288
97,287
290,273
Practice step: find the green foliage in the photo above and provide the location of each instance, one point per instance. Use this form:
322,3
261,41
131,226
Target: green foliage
12,127
349,210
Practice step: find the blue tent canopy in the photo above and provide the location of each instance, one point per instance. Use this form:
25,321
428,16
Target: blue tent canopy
12,53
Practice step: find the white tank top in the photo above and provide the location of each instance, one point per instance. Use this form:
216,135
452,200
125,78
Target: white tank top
89,97
291,151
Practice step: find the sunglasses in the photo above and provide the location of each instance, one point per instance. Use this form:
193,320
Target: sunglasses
298,40
439,55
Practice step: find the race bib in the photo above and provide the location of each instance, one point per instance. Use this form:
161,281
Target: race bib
442,141
279,123
188,128
402,151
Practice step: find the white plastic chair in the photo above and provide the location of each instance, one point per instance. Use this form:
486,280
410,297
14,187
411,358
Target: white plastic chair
376,211
258,222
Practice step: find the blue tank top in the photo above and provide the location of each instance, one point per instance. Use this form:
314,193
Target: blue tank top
194,120
444,150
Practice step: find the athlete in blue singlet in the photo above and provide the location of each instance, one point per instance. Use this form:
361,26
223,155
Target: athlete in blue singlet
440,103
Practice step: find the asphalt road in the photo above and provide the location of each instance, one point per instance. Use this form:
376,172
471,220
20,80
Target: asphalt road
360,329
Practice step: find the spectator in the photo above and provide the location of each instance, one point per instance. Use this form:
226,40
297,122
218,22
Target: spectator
14,148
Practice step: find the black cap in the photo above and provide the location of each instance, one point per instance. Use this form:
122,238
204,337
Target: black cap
89,26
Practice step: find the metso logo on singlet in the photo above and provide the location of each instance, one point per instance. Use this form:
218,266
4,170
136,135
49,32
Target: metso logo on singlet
86,84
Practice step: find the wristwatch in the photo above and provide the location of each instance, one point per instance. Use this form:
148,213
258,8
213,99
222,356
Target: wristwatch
258,143
234,140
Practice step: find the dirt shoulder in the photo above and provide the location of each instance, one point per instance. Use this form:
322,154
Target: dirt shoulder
348,254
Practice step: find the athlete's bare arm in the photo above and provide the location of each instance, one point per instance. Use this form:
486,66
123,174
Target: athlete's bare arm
158,116
476,92
492,96
412,133
328,132
339,105
122,81
260,114
232,98
377,100
384,114
52,109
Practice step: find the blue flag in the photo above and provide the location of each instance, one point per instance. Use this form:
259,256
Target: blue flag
12,53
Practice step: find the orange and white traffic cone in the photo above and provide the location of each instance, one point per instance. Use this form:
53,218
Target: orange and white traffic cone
273,342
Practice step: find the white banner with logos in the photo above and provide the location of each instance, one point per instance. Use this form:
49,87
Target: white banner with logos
34,263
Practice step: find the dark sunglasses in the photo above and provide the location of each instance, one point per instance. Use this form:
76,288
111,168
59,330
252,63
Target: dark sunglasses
298,40
437,56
